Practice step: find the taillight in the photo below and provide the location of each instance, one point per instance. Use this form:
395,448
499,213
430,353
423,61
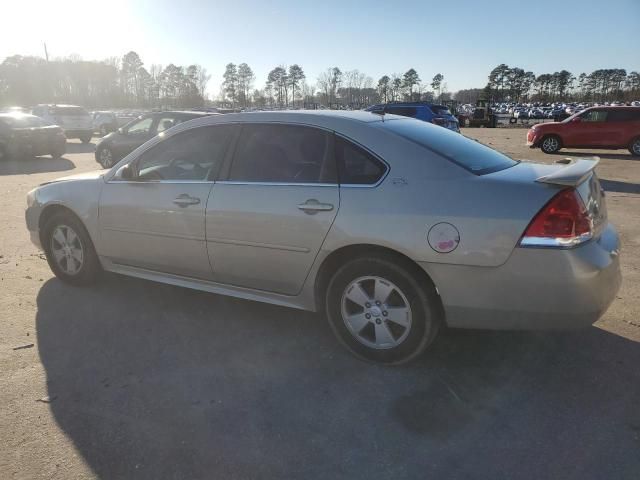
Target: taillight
562,222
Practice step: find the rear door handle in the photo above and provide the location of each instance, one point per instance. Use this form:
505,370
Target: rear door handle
184,200
313,206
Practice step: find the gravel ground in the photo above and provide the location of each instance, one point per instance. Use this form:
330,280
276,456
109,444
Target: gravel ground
132,379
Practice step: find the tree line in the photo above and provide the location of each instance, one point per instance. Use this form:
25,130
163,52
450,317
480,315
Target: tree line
125,82
288,87
517,85
116,82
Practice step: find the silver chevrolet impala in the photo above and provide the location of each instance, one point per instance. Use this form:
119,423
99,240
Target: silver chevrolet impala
390,226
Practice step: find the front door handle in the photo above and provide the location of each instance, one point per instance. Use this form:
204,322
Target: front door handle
185,200
313,206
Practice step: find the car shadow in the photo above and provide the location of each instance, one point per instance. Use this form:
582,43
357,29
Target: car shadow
77,147
620,187
586,154
153,381
27,165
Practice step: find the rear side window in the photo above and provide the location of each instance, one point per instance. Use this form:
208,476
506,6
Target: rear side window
356,166
404,111
283,154
623,116
469,154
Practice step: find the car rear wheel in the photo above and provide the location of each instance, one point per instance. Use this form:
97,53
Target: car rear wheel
69,250
85,139
380,311
57,154
550,144
634,148
105,157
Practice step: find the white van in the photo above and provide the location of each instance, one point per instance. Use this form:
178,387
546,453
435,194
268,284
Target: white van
75,121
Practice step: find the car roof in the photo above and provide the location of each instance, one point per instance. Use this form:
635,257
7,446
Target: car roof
612,107
299,116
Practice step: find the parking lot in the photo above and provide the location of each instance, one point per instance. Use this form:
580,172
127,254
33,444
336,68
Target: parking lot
132,379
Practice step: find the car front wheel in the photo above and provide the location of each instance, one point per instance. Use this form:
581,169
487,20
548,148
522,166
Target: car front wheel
381,311
550,144
69,250
106,158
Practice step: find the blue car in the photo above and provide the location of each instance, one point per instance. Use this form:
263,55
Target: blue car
428,112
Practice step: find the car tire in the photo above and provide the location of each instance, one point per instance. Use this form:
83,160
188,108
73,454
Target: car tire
634,147
550,144
85,139
69,250
395,315
57,154
103,130
105,157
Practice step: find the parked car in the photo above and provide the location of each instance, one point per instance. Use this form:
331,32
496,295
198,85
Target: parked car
595,127
23,135
75,121
115,145
428,112
350,213
104,122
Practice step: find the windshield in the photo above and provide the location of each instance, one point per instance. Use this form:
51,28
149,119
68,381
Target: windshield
469,154
440,110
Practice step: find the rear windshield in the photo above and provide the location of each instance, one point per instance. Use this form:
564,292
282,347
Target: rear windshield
76,111
469,154
440,110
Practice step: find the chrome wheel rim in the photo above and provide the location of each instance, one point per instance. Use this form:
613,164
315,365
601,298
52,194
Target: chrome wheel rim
106,157
67,249
550,144
376,312
636,147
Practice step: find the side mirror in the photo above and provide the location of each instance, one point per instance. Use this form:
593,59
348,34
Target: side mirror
576,120
121,131
127,172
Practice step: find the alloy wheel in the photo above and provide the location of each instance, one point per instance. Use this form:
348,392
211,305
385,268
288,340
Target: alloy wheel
550,144
376,312
106,157
67,249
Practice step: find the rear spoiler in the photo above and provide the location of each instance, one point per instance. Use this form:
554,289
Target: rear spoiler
575,172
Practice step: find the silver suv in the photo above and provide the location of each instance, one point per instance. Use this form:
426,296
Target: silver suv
75,121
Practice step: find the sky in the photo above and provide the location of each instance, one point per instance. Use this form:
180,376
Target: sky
461,39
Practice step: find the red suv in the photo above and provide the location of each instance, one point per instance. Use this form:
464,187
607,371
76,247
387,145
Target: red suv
595,127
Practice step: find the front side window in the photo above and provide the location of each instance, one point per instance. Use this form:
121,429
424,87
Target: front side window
356,166
165,123
192,155
283,154
140,127
595,116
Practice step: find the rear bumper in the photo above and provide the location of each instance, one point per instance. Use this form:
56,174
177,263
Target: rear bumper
535,289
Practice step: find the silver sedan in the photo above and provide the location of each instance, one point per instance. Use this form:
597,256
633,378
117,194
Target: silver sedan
390,226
